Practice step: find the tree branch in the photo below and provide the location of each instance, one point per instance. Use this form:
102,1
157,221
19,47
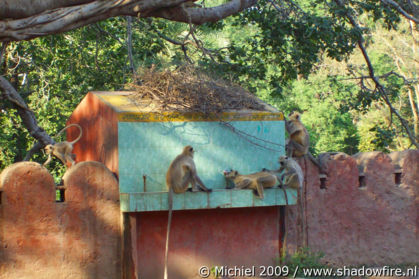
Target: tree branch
400,10
377,83
27,116
173,41
202,15
129,45
406,81
64,18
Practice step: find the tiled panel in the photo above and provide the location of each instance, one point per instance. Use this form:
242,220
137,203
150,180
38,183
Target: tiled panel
147,148
222,198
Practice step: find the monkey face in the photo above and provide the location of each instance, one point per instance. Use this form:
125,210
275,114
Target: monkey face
230,174
282,160
49,148
294,116
188,150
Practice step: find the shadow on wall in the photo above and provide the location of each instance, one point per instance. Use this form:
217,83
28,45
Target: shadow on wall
376,224
77,238
365,211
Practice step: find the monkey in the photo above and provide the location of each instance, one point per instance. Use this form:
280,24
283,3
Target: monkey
293,174
325,157
181,173
293,178
299,140
256,181
62,150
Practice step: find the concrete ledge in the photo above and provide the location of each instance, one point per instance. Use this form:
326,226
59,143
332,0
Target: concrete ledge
218,198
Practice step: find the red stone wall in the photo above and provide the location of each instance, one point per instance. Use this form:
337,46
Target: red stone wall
218,237
99,141
376,224
78,238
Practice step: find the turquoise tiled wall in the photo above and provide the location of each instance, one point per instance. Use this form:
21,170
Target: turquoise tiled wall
147,148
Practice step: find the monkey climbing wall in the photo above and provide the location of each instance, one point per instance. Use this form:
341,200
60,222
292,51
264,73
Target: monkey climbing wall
137,142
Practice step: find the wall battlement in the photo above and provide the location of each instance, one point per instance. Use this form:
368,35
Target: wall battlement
76,239
366,211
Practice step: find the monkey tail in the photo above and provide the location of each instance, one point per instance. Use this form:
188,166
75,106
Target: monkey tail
284,252
316,162
72,125
304,206
285,195
169,223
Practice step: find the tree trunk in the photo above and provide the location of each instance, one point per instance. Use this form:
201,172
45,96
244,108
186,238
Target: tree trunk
27,19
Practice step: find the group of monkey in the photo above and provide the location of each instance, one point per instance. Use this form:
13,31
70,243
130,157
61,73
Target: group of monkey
182,170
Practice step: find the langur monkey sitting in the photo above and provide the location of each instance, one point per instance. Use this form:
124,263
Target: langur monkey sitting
62,150
181,173
293,178
256,181
293,174
299,140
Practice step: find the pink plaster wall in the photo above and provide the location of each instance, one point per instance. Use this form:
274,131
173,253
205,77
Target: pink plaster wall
79,238
375,225
233,237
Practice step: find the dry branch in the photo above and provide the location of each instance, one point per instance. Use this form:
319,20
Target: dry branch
188,89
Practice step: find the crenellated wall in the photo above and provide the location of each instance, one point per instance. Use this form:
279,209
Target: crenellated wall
366,212
377,223
41,238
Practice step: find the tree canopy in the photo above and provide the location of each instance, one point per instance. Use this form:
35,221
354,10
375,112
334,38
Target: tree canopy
338,62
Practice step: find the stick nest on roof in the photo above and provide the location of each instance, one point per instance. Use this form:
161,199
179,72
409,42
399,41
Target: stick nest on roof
188,90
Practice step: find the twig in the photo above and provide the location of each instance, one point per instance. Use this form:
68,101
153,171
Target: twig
129,44
400,10
377,83
406,81
107,33
175,42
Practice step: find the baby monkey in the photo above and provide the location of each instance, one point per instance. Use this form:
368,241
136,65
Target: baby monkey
256,181
62,150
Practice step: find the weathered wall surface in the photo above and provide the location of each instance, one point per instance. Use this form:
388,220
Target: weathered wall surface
374,224
217,237
78,238
100,132
377,224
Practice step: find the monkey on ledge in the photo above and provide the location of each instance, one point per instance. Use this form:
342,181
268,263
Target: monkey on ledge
181,174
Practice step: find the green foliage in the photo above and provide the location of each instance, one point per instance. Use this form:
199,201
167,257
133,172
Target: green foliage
325,116
296,55
303,258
